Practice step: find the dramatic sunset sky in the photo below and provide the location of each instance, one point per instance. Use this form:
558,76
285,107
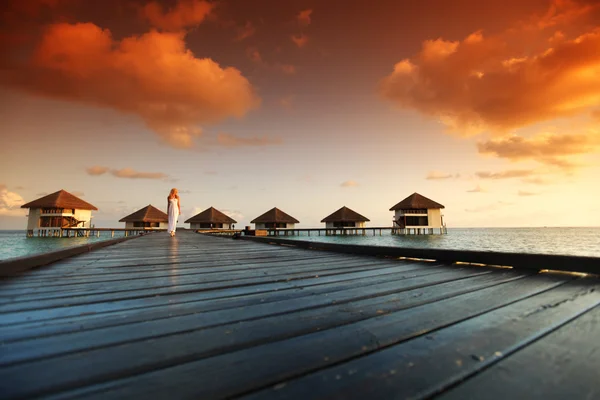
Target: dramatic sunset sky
491,108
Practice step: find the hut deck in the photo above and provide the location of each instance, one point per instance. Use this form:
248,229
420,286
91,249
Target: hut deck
202,317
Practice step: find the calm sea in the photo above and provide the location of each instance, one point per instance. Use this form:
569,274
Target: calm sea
17,244
570,241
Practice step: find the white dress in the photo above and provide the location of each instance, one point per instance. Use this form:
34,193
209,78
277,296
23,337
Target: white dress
173,214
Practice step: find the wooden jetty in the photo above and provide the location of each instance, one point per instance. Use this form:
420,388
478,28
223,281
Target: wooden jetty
204,317
352,231
86,232
361,231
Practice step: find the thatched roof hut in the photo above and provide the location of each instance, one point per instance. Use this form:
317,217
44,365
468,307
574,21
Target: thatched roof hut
274,218
60,199
345,217
211,218
147,217
416,201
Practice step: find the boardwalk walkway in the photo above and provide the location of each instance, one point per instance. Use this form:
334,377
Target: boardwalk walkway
204,318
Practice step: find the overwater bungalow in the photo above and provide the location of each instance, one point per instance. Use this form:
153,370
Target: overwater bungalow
148,217
210,219
49,214
275,218
345,218
419,215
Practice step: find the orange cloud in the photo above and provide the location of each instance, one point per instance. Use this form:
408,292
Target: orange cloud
524,193
255,56
20,22
349,184
513,173
10,203
536,181
97,170
245,32
477,189
152,75
286,68
128,173
186,13
547,149
506,81
304,17
562,12
133,174
301,40
437,175
227,140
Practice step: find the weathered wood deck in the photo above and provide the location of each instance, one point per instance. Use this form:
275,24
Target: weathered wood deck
203,318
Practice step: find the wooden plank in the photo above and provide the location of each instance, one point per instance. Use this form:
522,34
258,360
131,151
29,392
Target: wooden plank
237,371
94,273
429,364
60,271
517,260
562,365
198,275
150,245
139,292
158,307
121,285
160,326
101,363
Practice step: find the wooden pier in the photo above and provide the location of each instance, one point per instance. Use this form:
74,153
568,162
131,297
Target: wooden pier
362,231
204,317
87,232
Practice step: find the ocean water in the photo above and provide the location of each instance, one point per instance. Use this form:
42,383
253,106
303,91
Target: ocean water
17,244
568,241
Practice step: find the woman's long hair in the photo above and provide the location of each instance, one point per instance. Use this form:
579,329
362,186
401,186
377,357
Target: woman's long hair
173,193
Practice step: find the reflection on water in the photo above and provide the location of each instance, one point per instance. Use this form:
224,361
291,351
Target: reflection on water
17,244
569,241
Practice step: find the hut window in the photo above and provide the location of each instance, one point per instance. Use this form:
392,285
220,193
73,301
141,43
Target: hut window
344,224
271,225
52,210
417,221
414,211
51,222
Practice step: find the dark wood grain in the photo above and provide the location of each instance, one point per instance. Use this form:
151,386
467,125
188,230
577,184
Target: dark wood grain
536,262
205,317
562,365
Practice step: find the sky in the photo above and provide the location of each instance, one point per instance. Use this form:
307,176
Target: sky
489,108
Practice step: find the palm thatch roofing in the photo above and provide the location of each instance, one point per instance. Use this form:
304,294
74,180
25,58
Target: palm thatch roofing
211,216
415,200
345,214
275,215
60,199
146,214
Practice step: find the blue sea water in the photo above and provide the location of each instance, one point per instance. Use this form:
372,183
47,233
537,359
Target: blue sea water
17,244
568,241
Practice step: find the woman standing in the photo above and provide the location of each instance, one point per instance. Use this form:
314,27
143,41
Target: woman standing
173,210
